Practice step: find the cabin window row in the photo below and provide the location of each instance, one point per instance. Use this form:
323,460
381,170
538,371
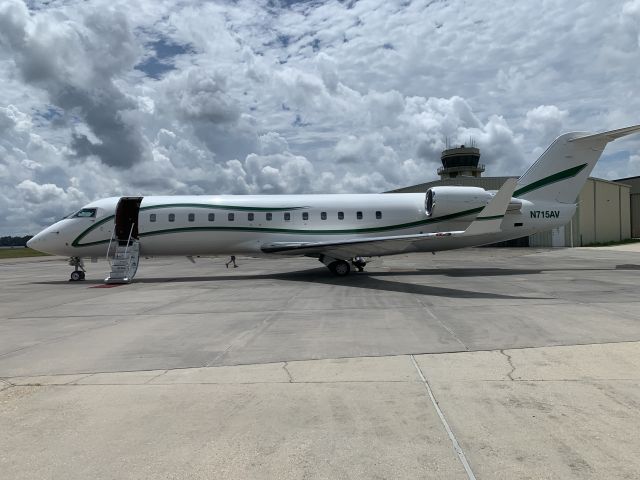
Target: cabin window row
191,217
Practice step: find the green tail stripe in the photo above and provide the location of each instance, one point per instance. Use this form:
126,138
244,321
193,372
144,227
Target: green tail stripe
556,177
490,218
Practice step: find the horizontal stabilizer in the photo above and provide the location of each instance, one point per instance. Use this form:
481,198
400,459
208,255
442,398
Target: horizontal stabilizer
610,135
490,218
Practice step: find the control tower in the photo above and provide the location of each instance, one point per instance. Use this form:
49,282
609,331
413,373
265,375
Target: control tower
461,161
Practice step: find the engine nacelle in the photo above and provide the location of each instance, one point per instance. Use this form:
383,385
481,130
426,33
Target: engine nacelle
444,200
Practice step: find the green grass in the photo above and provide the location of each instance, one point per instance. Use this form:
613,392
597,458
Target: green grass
20,252
611,244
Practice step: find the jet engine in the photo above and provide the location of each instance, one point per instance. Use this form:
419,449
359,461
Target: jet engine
445,200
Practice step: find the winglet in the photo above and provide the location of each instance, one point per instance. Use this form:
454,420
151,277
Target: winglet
490,218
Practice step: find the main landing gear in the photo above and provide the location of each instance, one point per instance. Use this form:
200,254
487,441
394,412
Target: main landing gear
342,268
359,263
78,273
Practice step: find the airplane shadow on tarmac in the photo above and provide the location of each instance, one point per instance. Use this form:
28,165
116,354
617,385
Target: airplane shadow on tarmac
368,280
372,280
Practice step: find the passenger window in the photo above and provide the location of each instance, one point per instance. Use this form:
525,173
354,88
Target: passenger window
192,217
172,217
269,216
340,215
323,215
231,217
305,215
378,214
250,217
359,215
212,217
287,216
152,217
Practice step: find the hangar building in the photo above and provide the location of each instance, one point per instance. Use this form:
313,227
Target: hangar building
634,183
604,208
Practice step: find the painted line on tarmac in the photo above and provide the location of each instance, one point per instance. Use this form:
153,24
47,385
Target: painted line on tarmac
452,437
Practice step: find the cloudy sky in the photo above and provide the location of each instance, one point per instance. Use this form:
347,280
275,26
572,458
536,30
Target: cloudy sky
181,97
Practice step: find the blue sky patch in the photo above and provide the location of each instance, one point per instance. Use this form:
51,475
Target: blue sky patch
161,60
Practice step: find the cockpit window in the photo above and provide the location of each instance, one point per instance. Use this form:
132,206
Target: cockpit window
86,213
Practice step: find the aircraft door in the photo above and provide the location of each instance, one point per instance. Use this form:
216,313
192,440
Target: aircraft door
126,219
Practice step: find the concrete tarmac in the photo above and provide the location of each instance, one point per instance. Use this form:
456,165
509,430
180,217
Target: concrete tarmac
482,363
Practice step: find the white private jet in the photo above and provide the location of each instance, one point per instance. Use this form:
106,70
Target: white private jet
340,230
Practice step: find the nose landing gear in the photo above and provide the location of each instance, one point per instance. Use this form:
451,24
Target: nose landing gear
78,273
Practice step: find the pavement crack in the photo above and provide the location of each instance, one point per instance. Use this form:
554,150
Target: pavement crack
79,379
510,360
157,376
285,367
5,384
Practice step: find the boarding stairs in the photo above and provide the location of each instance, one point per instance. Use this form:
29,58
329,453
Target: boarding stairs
123,260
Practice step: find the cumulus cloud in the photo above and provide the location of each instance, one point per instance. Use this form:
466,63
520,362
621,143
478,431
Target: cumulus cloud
76,61
546,121
103,99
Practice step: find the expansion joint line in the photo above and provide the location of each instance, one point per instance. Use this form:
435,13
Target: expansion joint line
445,424
5,384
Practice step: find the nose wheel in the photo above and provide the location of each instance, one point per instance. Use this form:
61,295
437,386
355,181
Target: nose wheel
78,273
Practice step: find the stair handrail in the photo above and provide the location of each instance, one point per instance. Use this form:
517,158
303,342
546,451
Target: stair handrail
109,247
129,239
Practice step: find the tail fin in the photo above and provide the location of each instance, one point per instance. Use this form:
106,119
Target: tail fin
561,171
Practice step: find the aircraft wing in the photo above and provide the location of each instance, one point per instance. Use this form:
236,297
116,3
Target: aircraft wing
488,221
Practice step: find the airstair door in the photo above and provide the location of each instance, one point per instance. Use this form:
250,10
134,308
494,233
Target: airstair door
124,260
126,221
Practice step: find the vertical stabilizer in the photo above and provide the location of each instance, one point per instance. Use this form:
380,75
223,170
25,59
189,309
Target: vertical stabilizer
562,170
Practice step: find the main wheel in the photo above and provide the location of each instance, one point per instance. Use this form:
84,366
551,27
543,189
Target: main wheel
340,268
76,275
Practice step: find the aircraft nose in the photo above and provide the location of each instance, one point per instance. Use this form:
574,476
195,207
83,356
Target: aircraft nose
46,241
33,241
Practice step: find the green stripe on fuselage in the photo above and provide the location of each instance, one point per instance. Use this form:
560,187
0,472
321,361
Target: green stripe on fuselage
426,221
221,207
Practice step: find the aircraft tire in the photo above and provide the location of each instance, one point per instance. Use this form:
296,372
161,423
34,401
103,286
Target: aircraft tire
76,276
340,268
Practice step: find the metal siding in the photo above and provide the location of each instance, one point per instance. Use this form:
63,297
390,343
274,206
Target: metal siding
633,182
586,234
625,213
635,215
607,212
542,239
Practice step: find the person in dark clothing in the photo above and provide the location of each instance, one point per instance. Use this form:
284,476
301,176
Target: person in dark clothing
231,260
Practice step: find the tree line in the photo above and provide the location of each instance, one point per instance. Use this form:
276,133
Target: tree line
10,241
